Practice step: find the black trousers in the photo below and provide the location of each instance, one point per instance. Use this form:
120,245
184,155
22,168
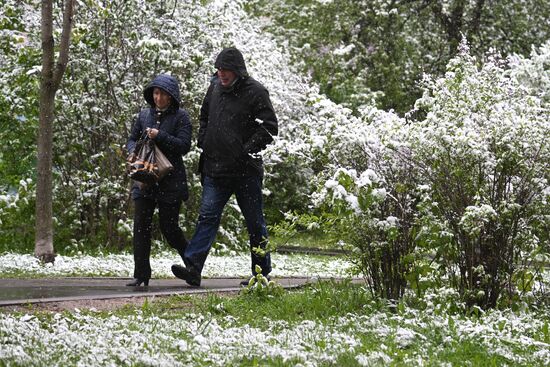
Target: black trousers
169,227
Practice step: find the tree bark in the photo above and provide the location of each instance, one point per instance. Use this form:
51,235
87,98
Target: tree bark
50,80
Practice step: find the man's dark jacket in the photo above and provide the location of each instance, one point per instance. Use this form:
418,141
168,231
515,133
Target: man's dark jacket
234,122
174,139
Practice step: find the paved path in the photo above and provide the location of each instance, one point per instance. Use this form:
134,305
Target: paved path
27,291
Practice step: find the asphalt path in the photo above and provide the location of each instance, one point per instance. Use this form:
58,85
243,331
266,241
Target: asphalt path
42,290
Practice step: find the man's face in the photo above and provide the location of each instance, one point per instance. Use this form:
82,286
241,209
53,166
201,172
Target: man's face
226,77
161,98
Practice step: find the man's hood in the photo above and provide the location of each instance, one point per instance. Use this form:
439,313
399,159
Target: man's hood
232,59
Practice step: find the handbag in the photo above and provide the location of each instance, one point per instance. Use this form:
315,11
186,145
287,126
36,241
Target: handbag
147,163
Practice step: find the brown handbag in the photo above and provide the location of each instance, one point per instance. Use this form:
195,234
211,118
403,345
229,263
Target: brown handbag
147,163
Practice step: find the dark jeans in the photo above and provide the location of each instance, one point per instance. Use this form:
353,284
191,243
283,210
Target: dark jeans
215,194
168,222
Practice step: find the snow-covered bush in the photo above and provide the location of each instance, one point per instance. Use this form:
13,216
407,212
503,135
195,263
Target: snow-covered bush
461,195
484,149
369,199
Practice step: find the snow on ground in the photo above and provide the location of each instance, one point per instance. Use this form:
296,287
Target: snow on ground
122,265
408,338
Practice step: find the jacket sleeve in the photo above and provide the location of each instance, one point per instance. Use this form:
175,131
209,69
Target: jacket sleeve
203,118
135,134
266,124
180,141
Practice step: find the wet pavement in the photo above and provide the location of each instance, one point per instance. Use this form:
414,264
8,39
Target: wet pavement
28,291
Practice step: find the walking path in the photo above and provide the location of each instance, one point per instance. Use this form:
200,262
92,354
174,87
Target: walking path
42,290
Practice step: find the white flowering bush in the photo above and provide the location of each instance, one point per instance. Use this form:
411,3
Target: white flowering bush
460,196
483,149
367,189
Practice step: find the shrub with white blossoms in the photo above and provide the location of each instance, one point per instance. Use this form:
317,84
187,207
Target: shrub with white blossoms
484,151
462,194
369,197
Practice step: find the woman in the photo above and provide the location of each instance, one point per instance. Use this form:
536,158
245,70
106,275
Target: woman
169,127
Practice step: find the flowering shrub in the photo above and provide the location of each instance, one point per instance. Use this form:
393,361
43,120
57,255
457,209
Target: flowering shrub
371,197
483,149
460,195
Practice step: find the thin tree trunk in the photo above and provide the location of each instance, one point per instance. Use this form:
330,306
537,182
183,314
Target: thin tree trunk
44,224
51,79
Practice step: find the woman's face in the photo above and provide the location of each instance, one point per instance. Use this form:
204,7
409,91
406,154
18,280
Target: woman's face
161,98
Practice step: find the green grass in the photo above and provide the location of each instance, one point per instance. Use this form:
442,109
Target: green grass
326,303
317,302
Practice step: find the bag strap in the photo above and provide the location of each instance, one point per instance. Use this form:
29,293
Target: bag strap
157,114
143,138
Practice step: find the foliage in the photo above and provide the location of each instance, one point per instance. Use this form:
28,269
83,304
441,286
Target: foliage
18,122
363,50
261,287
461,195
484,152
113,55
16,210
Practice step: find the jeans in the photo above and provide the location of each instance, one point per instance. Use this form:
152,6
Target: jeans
143,220
215,194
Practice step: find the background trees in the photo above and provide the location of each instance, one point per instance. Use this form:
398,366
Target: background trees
360,50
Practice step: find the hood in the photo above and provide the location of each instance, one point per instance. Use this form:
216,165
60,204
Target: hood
167,83
232,59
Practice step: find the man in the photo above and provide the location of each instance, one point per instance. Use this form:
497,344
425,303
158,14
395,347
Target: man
237,121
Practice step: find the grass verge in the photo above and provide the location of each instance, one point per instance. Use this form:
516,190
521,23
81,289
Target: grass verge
325,324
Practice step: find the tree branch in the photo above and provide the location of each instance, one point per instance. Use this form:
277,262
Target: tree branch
47,41
68,13
476,17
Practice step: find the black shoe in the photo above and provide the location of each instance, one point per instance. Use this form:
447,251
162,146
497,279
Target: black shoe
191,277
137,282
246,282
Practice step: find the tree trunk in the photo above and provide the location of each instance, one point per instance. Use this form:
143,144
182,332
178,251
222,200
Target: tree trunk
44,224
49,84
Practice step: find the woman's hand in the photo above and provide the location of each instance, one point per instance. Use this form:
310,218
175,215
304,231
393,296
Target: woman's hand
152,133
